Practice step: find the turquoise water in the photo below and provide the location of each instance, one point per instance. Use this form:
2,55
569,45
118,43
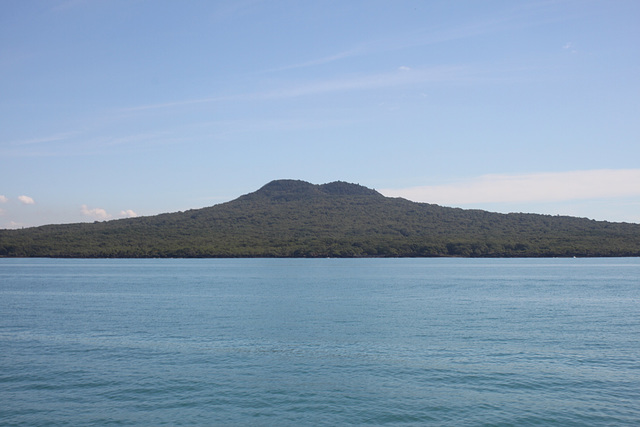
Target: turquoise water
320,342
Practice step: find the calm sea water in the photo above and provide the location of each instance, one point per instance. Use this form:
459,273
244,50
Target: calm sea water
320,342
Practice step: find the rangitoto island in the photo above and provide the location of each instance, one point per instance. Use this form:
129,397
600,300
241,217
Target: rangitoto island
292,218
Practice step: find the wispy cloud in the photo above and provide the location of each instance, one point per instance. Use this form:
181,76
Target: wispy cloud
319,61
74,144
509,20
135,139
180,103
570,47
537,187
522,16
400,77
26,200
45,139
95,213
48,145
3,199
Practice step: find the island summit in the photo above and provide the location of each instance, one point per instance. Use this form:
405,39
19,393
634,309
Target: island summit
292,218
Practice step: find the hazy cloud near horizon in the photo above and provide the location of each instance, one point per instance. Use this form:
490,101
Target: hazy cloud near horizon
26,200
102,214
536,187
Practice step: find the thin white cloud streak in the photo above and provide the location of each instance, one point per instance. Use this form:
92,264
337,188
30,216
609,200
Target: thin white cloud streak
537,187
520,17
402,76
182,103
87,145
152,137
46,139
511,20
26,200
43,140
70,144
3,199
95,213
319,61
47,145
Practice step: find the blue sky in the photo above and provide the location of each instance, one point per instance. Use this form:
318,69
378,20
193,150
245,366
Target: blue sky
110,109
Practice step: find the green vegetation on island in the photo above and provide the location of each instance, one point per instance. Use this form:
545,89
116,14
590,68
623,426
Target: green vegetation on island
288,218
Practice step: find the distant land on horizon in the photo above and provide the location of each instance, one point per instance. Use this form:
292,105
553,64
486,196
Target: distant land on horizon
293,218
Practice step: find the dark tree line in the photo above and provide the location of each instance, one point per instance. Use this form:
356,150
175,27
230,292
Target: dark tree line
298,219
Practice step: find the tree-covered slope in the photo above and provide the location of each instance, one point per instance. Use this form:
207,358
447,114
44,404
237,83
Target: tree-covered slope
288,218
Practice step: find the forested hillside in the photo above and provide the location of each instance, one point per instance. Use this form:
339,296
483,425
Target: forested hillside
288,218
